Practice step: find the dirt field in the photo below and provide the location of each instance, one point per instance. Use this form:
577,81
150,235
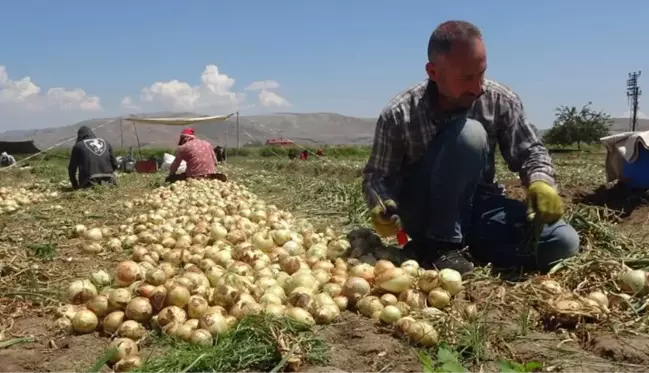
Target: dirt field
38,258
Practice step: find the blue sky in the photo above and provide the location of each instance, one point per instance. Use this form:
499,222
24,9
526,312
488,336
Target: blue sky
348,57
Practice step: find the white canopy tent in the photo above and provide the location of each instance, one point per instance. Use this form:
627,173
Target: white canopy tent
174,121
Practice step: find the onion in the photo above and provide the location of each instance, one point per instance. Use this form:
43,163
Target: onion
78,230
214,323
326,313
201,337
84,322
126,273
125,347
178,296
337,248
98,305
394,280
156,276
131,329
390,314
411,267
68,311
402,326
81,291
172,314
388,299
63,325
139,309
381,265
600,298
93,234
439,298
634,282
428,280
341,301
413,298
356,288
100,278
113,321
196,307
551,286
423,333
450,280
369,305
128,364
275,309
119,298
470,312
364,271
300,315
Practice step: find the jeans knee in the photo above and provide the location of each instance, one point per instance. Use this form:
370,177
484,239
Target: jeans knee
567,240
563,243
473,137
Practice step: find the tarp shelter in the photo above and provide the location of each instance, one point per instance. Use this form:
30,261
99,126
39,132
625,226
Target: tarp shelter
172,121
627,158
19,147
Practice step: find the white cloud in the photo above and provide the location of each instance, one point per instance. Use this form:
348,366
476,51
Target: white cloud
262,85
272,99
127,103
215,93
24,95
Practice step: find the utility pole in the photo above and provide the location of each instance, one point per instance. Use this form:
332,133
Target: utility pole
633,92
237,130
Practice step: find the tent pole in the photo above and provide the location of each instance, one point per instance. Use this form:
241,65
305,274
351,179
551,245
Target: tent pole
121,125
237,130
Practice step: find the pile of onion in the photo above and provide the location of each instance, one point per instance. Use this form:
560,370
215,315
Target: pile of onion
12,199
208,253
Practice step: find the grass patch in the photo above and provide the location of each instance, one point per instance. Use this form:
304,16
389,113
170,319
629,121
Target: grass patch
257,343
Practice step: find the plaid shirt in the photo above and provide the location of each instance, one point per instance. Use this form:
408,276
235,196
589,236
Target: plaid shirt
199,157
408,124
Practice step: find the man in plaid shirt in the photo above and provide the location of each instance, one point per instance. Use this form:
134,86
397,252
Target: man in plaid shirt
432,168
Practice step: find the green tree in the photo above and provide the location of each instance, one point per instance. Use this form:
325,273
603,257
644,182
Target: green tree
572,125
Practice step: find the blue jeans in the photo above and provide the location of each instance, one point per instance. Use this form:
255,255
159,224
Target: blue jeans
439,201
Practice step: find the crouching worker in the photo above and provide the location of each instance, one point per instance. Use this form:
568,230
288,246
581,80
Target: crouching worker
432,166
199,157
94,158
6,160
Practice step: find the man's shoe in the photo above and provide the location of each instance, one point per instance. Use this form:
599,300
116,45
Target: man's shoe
452,259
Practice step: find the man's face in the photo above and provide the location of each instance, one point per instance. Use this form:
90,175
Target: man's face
459,74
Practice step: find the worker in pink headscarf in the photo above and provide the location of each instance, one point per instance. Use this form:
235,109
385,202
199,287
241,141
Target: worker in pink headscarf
199,157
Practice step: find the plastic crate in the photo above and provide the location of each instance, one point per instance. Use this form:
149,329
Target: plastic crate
146,167
636,174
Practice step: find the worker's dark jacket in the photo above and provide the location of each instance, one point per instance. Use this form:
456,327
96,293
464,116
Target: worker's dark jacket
93,157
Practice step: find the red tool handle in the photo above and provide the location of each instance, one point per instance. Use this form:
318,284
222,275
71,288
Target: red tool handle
402,237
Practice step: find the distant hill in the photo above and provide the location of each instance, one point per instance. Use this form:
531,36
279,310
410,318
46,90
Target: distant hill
303,128
309,128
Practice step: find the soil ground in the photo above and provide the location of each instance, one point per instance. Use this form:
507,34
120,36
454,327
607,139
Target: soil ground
357,343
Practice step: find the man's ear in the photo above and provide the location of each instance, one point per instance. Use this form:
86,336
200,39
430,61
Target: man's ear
431,70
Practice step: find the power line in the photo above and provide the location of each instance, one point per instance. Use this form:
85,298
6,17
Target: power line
633,93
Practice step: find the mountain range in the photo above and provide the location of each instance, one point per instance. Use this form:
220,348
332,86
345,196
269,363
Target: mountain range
303,128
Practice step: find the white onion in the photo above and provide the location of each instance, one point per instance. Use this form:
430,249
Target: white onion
390,314
139,309
300,314
634,282
126,273
201,337
439,298
81,291
393,280
125,347
131,329
450,280
84,321
112,321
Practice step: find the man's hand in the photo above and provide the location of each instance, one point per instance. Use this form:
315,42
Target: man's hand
385,221
545,202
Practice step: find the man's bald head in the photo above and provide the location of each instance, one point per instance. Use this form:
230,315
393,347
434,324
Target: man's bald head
457,61
451,33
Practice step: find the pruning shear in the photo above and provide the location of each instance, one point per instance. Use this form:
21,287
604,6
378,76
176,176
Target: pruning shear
394,217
